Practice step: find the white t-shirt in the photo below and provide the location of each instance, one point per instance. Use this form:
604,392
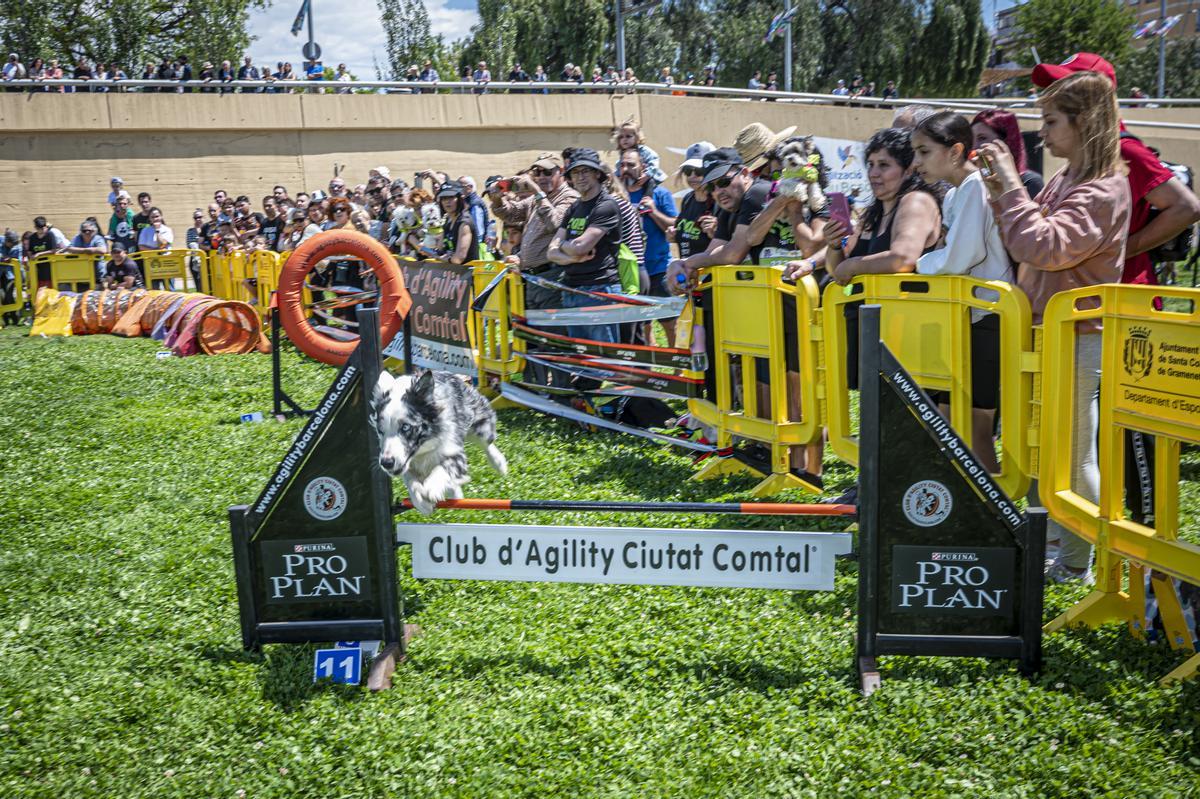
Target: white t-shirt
973,246
148,238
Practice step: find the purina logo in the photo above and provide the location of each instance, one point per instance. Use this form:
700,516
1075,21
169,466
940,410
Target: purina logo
1138,357
963,556
301,548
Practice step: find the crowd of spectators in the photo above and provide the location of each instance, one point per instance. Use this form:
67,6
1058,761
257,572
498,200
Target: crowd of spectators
951,195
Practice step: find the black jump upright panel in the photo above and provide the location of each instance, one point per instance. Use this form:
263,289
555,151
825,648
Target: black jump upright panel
315,555
948,564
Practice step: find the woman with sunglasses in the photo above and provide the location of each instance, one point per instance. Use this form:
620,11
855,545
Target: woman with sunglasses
697,218
339,214
460,240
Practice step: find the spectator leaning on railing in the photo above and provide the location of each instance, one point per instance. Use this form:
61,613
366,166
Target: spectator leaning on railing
45,239
156,235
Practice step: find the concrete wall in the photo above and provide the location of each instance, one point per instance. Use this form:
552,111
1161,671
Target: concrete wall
59,151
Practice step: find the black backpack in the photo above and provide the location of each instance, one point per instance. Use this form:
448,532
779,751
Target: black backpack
1180,247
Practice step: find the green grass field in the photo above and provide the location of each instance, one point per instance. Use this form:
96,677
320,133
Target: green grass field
122,674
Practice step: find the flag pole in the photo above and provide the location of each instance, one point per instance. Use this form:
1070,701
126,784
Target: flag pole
1162,52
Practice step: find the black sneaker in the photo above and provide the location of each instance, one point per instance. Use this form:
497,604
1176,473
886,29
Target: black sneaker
848,498
813,480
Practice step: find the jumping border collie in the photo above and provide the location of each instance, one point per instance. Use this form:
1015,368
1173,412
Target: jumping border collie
423,422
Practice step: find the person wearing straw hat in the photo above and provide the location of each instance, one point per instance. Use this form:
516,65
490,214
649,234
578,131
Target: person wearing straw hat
756,140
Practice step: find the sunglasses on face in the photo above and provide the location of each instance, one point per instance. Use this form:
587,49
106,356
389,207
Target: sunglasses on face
340,211
693,171
721,183
538,172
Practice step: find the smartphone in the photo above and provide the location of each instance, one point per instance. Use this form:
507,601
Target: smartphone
839,209
985,166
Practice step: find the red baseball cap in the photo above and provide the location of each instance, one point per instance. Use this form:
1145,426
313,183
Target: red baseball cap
1045,74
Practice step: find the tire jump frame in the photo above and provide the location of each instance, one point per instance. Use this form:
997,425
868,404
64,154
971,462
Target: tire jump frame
946,564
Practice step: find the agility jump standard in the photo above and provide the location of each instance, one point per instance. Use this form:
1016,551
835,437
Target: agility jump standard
947,564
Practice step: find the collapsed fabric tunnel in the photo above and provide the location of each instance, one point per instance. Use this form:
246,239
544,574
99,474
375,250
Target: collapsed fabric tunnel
187,324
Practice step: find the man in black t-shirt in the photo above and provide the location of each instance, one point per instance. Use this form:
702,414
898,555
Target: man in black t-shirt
272,222
739,197
587,242
742,199
121,271
246,221
142,218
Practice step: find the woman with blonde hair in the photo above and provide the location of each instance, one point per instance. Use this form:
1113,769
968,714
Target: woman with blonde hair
1071,235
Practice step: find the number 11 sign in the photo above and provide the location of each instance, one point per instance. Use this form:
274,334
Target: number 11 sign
338,665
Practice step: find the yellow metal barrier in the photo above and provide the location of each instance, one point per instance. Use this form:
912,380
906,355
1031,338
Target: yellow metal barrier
167,266
266,266
18,289
926,322
64,271
1150,382
744,316
226,276
497,354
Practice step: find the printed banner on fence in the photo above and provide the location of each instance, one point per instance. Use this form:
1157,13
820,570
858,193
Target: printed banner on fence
441,304
1159,374
847,166
624,555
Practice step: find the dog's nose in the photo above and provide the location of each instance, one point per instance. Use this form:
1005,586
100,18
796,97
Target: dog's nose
387,462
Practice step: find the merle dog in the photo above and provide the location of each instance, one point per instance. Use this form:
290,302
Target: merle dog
423,424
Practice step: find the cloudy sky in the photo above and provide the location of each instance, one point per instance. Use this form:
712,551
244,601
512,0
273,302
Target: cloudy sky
347,30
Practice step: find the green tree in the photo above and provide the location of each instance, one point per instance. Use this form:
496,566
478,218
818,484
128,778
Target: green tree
1057,29
409,40
127,32
740,49
1181,76
951,51
692,26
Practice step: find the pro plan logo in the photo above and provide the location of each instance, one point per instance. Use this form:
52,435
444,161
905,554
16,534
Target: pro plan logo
1139,353
325,498
927,503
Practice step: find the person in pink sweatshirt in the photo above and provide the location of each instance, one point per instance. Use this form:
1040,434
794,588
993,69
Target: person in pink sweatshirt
1072,234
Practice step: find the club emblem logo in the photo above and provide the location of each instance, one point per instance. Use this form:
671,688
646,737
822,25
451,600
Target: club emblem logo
1138,357
927,503
324,498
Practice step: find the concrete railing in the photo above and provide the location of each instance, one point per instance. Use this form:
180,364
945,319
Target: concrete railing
561,87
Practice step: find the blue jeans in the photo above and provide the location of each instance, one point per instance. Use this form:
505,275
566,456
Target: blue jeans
606,333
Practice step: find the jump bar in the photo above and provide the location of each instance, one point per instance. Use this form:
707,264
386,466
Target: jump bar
739,508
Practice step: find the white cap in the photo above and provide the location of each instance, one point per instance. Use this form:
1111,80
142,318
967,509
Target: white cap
696,152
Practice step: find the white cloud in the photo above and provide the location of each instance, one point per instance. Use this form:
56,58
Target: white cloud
348,31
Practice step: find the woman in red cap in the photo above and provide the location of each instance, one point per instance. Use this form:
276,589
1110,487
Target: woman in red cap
1072,235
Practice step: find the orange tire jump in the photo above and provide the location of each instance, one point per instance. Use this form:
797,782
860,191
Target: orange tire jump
394,300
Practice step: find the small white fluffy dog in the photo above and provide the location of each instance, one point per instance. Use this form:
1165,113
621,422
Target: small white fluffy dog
801,172
405,221
432,223
423,424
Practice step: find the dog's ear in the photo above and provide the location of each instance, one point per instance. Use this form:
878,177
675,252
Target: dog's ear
379,396
424,384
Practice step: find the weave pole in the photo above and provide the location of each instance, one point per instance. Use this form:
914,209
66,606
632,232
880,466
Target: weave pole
735,508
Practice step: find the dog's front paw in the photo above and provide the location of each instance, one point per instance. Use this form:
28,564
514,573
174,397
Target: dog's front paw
423,501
